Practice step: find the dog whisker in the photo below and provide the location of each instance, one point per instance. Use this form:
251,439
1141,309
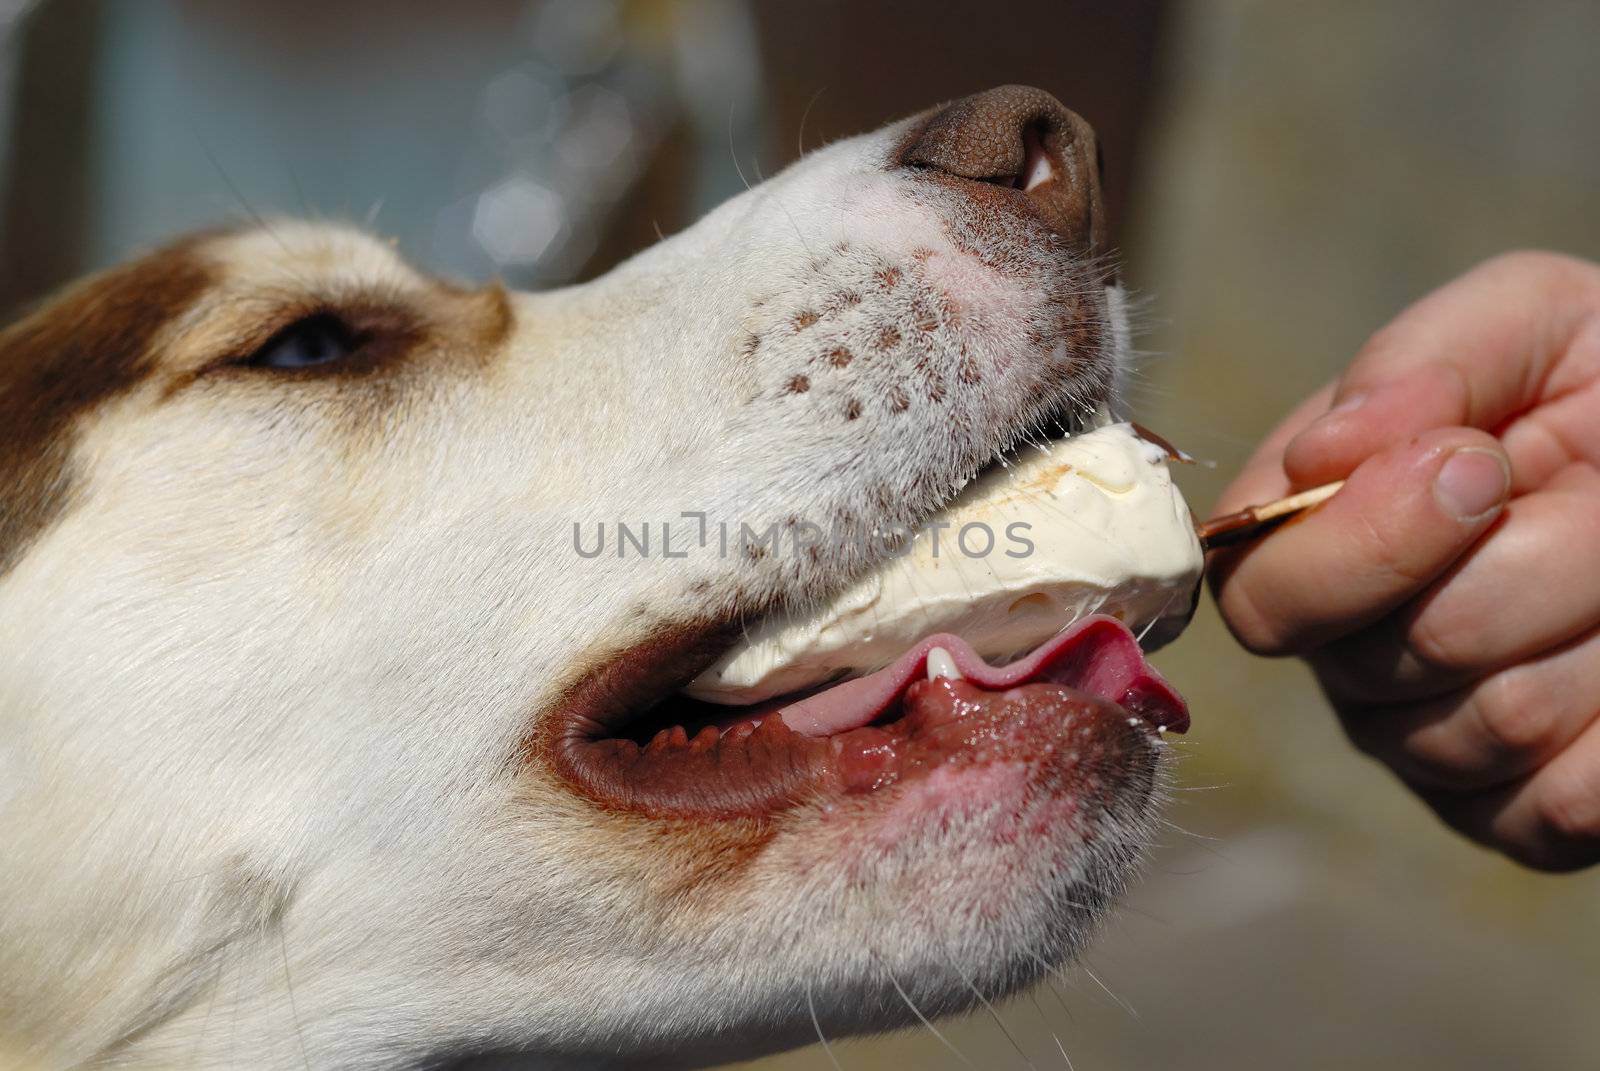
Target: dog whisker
827,1049
923,1019
249,210
990,1008
733,153
1095,978
800,138
1045,1019
288,981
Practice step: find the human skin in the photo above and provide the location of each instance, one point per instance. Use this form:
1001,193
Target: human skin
1448,597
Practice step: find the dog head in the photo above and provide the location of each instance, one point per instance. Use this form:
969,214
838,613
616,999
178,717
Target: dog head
316,698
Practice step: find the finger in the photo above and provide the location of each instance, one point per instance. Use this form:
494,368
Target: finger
1562,430
1492,731
1549,820
1399,522
1476,353
1508,598
1262,478
1362,423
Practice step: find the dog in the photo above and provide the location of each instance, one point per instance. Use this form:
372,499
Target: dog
317,741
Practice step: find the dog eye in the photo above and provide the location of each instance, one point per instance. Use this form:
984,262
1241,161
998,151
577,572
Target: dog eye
308,343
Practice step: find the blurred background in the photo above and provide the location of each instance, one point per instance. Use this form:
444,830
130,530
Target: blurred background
1285,177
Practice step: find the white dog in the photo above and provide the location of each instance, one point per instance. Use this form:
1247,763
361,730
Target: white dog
318,728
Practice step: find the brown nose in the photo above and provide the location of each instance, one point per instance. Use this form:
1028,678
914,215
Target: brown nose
1024,138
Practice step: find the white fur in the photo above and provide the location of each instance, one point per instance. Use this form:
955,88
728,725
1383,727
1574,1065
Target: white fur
263,689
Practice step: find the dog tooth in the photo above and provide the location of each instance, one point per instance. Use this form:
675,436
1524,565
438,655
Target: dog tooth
942,664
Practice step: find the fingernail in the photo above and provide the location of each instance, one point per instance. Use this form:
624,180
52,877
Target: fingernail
1472,483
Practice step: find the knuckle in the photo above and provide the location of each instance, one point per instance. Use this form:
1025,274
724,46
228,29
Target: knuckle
1570,810
1443,644
1516,713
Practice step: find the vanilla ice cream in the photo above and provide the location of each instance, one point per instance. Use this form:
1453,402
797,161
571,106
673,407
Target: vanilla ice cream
1091,524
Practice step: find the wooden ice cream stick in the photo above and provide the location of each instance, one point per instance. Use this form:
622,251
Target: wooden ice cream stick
1249,523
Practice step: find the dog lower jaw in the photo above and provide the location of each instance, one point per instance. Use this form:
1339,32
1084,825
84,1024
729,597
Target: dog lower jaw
1063,716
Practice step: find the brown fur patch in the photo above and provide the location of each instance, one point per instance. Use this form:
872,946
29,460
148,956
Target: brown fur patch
89,344
494,318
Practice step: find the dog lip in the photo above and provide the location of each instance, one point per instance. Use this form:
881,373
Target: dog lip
837,741
603,700
580,743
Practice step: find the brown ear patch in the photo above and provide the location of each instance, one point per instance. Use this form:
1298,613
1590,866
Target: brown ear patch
88,344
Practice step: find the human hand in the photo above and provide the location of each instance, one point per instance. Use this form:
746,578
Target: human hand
1448,597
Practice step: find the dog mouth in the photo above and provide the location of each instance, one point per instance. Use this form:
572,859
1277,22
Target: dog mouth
671,728
939,704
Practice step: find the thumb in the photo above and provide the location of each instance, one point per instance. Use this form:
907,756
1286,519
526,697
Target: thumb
1401,519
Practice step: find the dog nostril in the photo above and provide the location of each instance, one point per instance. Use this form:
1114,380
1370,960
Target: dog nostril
1036,166
1022,138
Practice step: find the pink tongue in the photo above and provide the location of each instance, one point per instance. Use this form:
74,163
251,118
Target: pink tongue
1097,655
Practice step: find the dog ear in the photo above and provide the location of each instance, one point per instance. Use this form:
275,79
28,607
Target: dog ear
80,348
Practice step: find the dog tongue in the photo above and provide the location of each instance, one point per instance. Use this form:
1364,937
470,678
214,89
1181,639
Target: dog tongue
1097,655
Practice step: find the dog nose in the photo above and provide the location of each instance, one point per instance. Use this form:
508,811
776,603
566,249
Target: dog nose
1023,138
